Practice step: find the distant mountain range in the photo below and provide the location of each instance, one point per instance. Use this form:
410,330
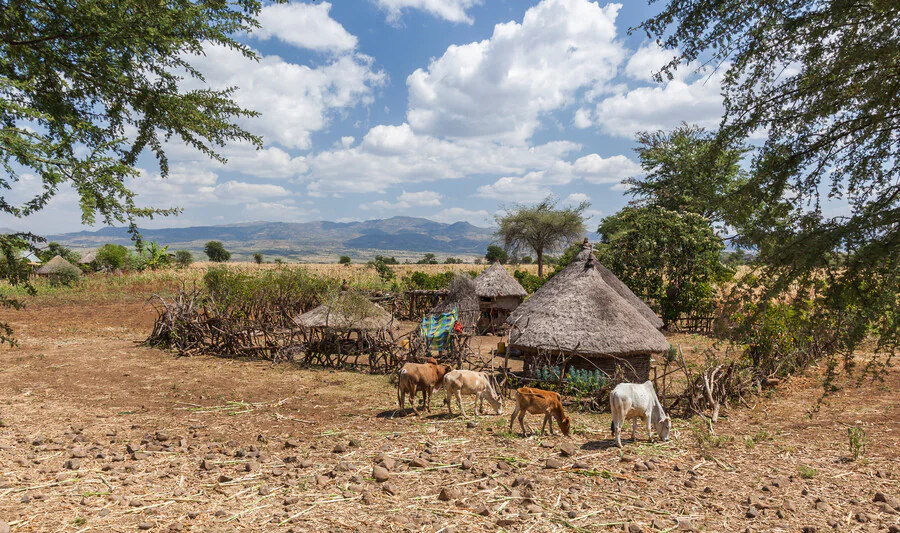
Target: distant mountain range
403,237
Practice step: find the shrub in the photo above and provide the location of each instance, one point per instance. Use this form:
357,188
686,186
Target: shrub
858,441
496,253
53,249
112,257
421,281
385,272
64,275
216,252
183,258
258,258
807,472
529,281
427,259
345,260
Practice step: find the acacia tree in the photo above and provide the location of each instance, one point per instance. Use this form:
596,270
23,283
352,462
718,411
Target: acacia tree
540,227
87,87
669,257
216,252
821,204
686,171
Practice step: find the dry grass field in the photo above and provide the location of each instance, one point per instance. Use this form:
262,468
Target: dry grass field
101,434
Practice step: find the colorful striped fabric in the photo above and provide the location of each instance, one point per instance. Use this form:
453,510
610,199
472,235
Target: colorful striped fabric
435,329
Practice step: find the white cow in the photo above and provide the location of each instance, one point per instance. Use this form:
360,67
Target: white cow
459,382
632,400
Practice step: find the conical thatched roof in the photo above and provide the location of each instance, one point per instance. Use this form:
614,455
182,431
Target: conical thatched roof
88,257
496,282
629,296
55,265
346,311
577,308
462,296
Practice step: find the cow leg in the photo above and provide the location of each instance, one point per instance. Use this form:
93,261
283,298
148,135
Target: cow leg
512,419
633,429
649,431
522,421
619,433
459,403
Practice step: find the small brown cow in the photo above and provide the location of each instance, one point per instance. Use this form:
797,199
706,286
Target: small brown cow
537,402
415,377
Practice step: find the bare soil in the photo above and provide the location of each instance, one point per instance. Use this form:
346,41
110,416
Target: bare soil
101,434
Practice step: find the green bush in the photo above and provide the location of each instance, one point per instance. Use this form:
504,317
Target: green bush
427,282
216,252
183,258
64,275
345,260
244,296
529,281
112,257
258,258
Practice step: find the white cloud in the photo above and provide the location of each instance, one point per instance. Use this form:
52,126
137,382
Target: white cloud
237,192
304,25
662,107
528,188
576,198
285,211
294,100
648,60
406,200
499,88
455,214
347,141
596,169
450,10
582,118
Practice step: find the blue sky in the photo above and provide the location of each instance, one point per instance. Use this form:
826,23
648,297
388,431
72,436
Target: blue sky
447,109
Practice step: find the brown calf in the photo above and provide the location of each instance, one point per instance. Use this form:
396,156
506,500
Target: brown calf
537,402
415,377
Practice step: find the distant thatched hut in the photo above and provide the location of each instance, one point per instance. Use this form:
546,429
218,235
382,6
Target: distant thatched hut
499,294
348,311
58,267
461,295
88,257
577,315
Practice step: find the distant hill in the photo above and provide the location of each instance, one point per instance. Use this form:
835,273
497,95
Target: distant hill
403,237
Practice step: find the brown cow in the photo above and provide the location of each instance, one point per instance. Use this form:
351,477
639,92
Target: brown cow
537,402
415,377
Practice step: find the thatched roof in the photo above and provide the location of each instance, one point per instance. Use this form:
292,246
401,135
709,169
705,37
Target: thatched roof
461,295
496,282
346,311
629,296
88,257
577,309
55,265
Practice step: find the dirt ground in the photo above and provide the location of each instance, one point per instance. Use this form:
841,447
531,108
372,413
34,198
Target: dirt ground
101,434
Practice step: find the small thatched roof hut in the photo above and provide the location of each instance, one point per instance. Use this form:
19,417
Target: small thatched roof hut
348,311
578,311
57,265
495,282
461,295
88,258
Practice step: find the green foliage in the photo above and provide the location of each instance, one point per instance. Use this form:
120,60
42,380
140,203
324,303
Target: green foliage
243,295
686,171
345,260
183,258
428,259
821,205
387,260
216,252
157,256
529,281
453,261
421,281
63,275
663,256
385,272
527,260
736,258
53,249
807,472
578,382
496,253
857,437
565,259
258,258
112,257
540,227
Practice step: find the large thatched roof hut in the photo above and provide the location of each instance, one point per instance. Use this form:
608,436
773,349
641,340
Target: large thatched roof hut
630,296
348,311
57,266
88,257
578,312
499,294
461,295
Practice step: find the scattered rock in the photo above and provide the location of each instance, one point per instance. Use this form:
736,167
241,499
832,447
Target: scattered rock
79,453
471,425
419,462
689,484
73,464
380,474
265,490
290,500
388,463
290,443
193,514
103,512
893,529
25,499
862,517
225,479
322,480
307,463
752,512
139,456
554,463
367,498
832,523
340,448
634,528
389,489
882,474
466,464
823,506
448,493
567,449
353,443
572,514
144,526
251,466
685,524
220,513
885,508
808,529
640,466
175,526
